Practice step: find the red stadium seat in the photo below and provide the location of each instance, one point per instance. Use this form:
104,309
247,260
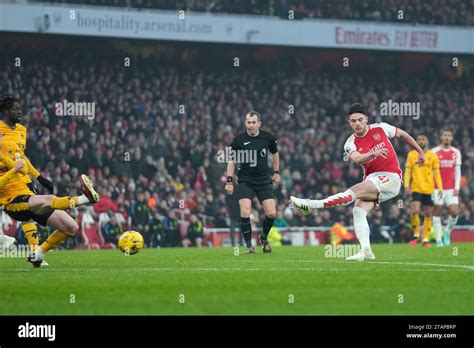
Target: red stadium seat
92,238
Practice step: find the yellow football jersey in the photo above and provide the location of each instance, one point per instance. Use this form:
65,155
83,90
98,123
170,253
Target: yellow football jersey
13,144
422,178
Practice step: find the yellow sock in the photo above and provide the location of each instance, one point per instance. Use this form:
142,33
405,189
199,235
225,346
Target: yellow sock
427,223
31,234
54,239
63,203
415,222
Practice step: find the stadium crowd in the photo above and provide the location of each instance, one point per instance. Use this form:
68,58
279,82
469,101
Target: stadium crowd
443,12
152,145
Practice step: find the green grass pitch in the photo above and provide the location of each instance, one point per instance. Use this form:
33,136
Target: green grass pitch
290,281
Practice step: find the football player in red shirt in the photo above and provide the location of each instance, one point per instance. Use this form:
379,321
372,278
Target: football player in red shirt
370,147
450,169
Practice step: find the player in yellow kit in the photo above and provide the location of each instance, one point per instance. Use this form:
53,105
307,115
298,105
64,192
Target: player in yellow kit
20,202
419,184
13,143
20,166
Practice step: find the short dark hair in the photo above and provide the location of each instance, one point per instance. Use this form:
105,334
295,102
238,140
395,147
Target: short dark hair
254,113
356,108
6,102
423,135
447,130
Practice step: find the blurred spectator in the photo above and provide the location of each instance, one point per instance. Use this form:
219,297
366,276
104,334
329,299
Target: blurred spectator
339,234
111,231
280,220
155,232
195,233
171,230
140,213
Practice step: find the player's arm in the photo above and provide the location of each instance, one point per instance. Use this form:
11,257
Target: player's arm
437,175
12,173
457,174
229,185
408,173
31,169
276,160
37,175
361,158
407,138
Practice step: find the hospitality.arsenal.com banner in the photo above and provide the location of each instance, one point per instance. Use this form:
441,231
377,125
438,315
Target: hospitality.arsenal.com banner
167,25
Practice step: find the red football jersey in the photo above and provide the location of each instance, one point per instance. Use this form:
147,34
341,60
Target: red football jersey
376,138
448,160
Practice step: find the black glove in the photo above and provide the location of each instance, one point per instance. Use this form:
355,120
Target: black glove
46,183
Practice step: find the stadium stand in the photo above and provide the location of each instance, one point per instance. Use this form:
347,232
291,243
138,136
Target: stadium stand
441,12
142,150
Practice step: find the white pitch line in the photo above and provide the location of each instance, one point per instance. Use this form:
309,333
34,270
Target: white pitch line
167,269
471,268
211,269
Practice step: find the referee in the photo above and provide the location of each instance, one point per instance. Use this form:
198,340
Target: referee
250,151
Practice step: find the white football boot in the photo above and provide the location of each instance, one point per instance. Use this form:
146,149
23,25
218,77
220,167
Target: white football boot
362,255
301,204
37,259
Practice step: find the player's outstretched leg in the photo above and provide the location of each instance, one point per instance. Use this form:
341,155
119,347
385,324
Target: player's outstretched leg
365,191
306,206
362,230
42,204
65,227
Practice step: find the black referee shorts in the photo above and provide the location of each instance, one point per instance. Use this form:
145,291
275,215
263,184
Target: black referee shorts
248,190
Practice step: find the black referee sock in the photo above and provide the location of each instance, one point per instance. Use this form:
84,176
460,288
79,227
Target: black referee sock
267,225
246,229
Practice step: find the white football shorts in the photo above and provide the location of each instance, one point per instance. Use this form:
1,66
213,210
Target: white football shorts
388,185
448,198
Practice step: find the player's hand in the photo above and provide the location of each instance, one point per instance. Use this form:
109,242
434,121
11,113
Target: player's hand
408,191
421,159
382,152
48,184
440,194
276,178
229,188
19,165
455,192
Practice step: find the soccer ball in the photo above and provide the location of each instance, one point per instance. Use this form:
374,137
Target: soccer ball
130,242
